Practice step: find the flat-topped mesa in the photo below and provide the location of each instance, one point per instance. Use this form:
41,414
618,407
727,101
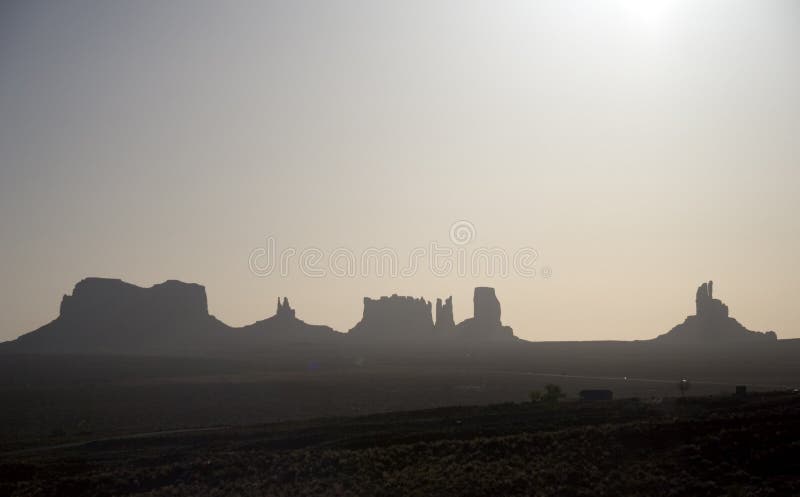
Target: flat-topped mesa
109,315
485,323
93,297
711,324
395,317
444,315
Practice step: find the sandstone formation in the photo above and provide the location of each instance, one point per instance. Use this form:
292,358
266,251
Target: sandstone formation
444,315
171,318
395,317
408,318
485,304
109,315
485,323
284,326
706,304
711,324
284,310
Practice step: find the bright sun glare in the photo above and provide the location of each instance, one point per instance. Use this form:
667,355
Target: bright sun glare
651,14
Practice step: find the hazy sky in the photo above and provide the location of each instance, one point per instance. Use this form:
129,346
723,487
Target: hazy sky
640,147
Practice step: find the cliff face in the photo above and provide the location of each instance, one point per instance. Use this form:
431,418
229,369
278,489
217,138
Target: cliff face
171,318
409,318
712,324
444,316
109,315
486,307
101,298
485,323
706,305
395,317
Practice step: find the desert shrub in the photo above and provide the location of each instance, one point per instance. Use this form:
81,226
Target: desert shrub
552,393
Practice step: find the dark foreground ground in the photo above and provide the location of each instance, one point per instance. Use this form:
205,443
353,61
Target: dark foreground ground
699,446
57,399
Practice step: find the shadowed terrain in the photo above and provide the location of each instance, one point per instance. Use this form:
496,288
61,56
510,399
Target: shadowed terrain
694,446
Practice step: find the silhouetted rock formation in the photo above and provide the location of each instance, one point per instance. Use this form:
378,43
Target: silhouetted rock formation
485,304
395,317
444,315
109,315
284,310
171,318
409,318
284,326
711,323
485,323
706,304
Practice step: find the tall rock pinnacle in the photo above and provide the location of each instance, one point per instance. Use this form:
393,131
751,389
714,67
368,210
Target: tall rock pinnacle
444,315
711,323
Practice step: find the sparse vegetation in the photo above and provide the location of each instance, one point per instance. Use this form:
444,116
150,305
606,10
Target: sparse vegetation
718,446
661,445
552,393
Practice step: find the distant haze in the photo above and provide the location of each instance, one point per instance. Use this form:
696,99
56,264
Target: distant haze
641,147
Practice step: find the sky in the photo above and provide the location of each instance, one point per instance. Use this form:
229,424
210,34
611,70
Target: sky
637,148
